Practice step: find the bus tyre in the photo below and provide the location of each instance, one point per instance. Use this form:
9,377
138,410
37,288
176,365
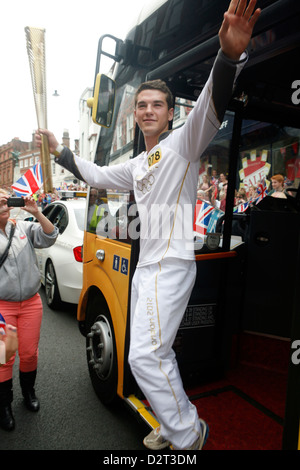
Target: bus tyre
102,356
51,288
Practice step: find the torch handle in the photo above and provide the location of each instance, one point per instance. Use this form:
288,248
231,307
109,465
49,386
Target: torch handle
46,165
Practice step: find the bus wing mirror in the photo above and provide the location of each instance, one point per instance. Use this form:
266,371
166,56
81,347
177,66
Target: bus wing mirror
103,102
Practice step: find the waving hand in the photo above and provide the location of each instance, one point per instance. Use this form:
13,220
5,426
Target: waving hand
236,29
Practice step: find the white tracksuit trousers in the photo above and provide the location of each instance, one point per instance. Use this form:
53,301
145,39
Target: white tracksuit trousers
160,294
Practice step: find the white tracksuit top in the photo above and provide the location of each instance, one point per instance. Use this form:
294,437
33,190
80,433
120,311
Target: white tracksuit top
168,185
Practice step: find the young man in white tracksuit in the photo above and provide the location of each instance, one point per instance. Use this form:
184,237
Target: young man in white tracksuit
166,174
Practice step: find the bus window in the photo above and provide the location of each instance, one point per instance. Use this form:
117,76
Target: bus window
212,189
266,150
116,145
269,166
212,180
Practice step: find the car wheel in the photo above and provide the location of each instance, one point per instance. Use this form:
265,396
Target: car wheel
51,288
101,355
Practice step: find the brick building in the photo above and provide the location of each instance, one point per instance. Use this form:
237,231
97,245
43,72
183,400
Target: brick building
16,157
9,160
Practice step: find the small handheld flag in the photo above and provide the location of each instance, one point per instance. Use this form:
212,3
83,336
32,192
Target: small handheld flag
2,325
30,182
203,211
261,191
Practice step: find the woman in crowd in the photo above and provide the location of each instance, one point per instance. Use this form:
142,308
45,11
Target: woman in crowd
20,303
277,182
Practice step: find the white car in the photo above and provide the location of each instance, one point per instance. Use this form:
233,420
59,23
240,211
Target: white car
61,264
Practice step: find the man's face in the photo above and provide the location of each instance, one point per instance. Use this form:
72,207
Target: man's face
93,196
152,113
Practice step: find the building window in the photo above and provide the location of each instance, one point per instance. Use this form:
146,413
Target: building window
119,136
130,128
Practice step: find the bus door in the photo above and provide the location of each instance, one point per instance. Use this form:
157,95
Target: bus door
269,330
267,324
104,296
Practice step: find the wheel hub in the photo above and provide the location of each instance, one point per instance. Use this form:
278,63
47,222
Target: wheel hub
100,347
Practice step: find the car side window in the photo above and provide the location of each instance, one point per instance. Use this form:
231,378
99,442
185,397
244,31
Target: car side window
48,211
60,218
63,221
58,215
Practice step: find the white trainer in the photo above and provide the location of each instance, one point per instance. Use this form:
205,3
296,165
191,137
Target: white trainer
155,441
200,442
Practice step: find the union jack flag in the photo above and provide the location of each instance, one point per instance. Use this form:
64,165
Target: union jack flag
203,211
30,182
2,325
241,207
261,191
212,224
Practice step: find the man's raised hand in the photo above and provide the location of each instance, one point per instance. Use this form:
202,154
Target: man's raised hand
237,27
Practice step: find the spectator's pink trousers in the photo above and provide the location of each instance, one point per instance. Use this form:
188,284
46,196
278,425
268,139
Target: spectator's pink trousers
27,317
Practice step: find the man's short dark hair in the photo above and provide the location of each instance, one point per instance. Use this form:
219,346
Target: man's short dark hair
159,85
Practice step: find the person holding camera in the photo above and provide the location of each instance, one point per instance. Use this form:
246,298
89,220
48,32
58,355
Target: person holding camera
20,303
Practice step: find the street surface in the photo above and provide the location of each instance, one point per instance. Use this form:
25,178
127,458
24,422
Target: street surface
71,417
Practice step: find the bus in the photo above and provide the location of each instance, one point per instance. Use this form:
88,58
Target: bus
238,346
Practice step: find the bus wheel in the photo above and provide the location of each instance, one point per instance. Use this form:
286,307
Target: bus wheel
102,357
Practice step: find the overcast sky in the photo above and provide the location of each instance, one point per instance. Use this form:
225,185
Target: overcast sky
73,28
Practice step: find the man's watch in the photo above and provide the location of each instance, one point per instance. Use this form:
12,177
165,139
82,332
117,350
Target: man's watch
58,150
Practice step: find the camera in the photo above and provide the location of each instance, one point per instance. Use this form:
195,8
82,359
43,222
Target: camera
15,202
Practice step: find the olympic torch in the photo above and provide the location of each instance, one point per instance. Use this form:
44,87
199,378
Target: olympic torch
35,40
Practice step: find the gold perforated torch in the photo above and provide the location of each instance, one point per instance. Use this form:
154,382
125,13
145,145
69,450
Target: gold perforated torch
35,41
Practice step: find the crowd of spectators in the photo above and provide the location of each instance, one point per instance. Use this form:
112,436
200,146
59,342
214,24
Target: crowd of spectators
213,189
